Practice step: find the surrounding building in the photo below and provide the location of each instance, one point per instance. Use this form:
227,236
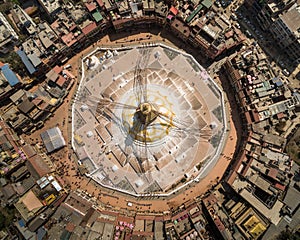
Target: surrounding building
286,32
23,21
12,155
51,7
257,196
8,36
260,174
9,81
53,139
281,19
28,110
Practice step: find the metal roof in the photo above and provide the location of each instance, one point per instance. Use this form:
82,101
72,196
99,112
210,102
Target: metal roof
53,139
9,75
35,60
97,16
207,3
194,13
31,69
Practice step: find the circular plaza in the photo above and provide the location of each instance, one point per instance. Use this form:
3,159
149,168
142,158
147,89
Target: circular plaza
147,119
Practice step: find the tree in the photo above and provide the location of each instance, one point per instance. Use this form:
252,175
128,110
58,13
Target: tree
7,215
15,62
2,221
5,7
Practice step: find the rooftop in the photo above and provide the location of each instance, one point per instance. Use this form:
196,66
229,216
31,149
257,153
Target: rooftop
39,165
51,6
88,28
97,16
22,18
9,75
53,139
26,106
271,213
291,19
91,6
29,66
6,30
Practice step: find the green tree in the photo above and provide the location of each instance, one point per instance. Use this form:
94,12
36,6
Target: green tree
2,221
7,215
5,7
15,63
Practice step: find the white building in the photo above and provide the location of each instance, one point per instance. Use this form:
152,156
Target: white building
8,37
51,7
286,30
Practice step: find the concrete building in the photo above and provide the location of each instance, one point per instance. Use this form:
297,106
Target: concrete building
11,156
77,12
67,30
28,205
41,50
260,174
282,20
8,36
22,20
251,224
286,32
51,7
